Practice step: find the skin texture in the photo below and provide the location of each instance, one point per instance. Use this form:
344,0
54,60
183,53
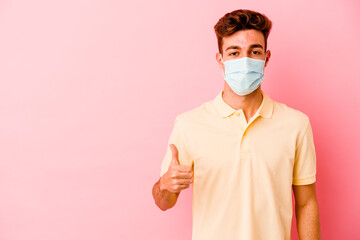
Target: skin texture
307,212
245,43
177,178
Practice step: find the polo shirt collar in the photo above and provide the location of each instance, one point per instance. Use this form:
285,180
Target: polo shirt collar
265,110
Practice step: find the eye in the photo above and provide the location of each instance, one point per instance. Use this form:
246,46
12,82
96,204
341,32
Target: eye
233,54
256,52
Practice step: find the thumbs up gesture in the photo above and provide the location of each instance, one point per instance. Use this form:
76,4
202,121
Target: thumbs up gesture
178,177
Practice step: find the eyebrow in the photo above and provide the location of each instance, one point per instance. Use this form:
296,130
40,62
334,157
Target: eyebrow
238,47
256,46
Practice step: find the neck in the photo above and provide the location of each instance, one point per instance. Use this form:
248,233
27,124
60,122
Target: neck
248,103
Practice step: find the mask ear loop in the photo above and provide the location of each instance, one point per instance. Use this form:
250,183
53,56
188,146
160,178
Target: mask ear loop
265,61
223,73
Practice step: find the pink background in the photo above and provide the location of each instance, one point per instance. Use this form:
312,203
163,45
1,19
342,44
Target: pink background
89,91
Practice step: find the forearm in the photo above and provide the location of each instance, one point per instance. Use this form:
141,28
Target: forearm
307,219
163,198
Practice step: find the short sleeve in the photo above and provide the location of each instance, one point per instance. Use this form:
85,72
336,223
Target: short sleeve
305,159
178,139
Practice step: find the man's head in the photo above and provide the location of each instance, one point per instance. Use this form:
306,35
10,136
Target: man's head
242,33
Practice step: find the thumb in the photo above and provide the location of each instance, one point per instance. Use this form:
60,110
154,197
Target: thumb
175,155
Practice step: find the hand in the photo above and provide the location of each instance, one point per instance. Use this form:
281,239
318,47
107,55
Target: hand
178,177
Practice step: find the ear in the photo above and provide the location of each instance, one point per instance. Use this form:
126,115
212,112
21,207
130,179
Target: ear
268,55
220,62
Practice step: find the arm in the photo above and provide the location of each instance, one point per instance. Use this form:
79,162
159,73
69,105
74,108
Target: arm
163,198
307,212
178,177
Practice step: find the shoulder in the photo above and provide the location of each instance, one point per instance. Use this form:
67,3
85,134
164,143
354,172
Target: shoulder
195,114
290,116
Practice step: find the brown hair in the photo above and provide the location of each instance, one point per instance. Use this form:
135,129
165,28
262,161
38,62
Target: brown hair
241,19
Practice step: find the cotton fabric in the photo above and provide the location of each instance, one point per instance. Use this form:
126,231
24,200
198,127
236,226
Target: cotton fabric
243,171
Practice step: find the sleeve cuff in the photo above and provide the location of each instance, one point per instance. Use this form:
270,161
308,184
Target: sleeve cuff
304,181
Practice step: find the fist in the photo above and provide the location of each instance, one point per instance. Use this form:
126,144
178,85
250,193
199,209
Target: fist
178,177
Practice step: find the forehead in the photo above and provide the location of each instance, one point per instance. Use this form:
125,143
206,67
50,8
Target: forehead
244,38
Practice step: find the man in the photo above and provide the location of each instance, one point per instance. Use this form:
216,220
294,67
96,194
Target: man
242,151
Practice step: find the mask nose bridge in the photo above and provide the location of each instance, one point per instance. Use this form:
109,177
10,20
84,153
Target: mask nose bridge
238,58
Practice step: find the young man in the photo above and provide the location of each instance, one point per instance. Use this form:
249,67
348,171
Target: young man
242,151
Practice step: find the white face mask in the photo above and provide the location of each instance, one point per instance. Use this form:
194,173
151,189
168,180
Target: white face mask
244,75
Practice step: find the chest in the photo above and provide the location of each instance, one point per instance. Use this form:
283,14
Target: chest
228,148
